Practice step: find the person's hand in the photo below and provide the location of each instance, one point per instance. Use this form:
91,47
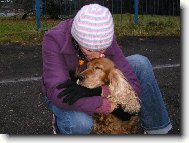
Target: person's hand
113,107
73,92
73,76
119,113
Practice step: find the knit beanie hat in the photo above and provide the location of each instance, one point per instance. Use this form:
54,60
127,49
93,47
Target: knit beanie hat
93,27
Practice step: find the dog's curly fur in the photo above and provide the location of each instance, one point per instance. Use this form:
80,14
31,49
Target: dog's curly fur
111,125
102,71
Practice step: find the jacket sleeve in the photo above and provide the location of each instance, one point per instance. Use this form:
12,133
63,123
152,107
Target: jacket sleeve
56,72
122,64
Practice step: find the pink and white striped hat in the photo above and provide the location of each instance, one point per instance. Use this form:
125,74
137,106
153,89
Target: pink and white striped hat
93,27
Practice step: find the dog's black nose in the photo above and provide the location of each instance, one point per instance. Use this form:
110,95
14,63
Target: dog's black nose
80,77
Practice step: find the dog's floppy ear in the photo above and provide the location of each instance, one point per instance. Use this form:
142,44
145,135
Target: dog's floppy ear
122,92
116,79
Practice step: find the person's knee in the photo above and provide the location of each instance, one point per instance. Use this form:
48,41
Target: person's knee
83,126
140,62
77,124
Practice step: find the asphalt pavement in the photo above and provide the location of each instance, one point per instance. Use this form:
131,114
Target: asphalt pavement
22,108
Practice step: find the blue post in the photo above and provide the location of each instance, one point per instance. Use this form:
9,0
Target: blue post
121,12
38,14
136,12
112,7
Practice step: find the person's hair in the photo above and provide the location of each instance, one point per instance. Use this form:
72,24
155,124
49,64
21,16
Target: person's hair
76,46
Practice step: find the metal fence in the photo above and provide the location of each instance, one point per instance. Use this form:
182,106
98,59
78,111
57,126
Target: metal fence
70,7
63,9
56,8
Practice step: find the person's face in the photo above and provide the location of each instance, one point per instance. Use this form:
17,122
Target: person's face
92,54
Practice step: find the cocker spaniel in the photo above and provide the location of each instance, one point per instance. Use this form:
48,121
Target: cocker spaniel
102,71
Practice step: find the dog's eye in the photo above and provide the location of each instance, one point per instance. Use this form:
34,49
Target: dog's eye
97,68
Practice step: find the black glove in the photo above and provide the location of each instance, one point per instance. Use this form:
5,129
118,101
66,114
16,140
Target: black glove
119,113
73,92
73,75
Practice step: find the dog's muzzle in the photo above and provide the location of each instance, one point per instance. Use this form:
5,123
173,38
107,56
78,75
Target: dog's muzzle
80,78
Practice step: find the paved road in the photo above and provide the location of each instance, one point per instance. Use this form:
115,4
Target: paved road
23,110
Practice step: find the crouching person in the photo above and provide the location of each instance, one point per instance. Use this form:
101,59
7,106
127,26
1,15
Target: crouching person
90,35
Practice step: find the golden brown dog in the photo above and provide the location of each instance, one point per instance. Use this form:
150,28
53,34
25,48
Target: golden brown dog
102,71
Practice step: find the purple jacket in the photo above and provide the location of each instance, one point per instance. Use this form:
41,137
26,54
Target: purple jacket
59,57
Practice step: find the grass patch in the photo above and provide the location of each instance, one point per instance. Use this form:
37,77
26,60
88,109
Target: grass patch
24,31
147,25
